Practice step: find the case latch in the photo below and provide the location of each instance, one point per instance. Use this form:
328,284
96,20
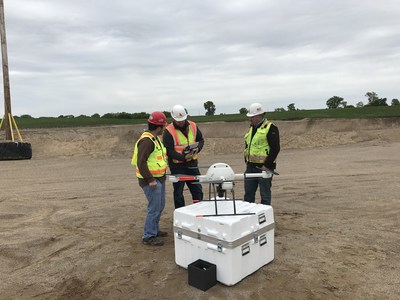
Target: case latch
261,218
245,249
219,247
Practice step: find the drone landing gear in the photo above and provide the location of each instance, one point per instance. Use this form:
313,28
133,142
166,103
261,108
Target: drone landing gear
220,194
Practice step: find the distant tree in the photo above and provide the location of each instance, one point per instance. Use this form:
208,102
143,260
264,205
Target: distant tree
374,100
291,107
334,102
210,108
124,115
167,114
372,97
394,102
350,106
343,104
26,117
243,111
382,102
96,115
141,115
109,116
360,104
280,109
83,116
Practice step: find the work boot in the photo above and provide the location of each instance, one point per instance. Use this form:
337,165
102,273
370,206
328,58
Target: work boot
162,234
153,241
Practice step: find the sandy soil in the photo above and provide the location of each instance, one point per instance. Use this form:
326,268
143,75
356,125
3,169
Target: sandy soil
71,218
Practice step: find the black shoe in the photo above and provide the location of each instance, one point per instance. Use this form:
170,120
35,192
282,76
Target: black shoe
153,241
162,234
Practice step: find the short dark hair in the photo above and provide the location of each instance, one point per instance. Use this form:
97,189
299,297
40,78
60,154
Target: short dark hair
152,127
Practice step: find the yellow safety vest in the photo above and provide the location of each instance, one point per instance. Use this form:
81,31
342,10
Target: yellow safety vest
157,161
257,148
181,141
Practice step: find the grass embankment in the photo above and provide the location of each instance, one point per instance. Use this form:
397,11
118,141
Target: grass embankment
347,113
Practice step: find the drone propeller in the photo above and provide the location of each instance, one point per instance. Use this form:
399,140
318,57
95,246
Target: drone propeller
270,171
182,177
199,167
218,181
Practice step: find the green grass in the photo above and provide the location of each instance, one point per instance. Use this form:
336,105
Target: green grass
45,122
340,113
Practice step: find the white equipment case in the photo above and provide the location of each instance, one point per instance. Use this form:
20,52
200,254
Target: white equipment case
237,242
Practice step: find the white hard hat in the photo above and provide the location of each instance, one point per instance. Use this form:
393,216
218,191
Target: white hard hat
255,109
179,113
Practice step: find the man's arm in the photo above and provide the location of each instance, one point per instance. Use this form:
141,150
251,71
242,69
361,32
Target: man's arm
145,148
274,143
199,139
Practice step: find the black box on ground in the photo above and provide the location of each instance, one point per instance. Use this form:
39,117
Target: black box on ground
202,274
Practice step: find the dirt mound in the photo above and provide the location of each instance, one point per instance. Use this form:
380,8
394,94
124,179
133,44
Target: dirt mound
221,137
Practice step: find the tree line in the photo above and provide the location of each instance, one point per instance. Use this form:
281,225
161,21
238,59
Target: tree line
332,103
373,100
118,115
339,102
209,106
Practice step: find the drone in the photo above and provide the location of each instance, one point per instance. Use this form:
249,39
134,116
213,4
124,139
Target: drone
221,179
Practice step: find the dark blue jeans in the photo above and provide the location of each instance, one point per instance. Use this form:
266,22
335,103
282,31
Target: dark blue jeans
155,206
251,186
194,188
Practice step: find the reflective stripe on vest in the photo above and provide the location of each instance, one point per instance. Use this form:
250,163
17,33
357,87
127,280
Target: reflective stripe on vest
181,141
157,161
257,148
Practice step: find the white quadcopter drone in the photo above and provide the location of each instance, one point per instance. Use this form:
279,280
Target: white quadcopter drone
221,173
221,179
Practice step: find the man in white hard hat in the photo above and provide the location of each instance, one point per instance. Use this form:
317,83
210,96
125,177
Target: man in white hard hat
262,146
183,141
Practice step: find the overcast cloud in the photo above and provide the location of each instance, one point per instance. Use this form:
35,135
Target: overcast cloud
96,56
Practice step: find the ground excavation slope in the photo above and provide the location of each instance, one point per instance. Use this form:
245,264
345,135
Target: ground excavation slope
221,137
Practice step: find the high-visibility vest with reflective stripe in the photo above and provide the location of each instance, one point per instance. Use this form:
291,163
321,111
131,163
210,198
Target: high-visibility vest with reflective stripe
181,141
257,148
157,161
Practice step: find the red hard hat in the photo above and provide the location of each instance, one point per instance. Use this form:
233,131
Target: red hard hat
157,118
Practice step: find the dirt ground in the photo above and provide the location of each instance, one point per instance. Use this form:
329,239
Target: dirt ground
71,219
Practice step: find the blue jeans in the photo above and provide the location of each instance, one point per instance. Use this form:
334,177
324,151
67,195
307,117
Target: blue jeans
251,185
195,188
155,206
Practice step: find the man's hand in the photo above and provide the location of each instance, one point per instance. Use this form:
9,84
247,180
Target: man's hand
153,184
189,156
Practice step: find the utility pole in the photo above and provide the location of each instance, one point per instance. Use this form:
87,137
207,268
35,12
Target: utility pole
6,78
9,149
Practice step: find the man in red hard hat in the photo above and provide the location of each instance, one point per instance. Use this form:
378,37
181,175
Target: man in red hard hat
150,160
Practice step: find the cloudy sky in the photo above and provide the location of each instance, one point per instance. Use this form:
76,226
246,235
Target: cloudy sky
97,56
